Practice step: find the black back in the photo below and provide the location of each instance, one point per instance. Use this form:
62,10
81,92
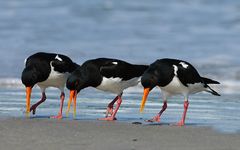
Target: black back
161,73
188,75
37,67
92,72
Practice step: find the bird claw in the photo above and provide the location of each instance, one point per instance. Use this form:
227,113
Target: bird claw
154,119
59,116
33,109
180,124
108,118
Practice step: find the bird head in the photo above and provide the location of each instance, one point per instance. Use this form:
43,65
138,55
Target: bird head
148,81
29,76
75,83
29,79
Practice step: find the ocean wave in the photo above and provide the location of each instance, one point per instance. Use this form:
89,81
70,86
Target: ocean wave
11,82
229,87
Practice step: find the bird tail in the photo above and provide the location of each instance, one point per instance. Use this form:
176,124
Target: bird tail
210,90
209,81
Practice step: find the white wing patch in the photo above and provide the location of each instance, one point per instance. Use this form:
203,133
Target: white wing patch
58,58
183,64
115,63
175,69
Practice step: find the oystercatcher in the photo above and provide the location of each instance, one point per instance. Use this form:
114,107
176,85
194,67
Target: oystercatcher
111,75
46,70
174,77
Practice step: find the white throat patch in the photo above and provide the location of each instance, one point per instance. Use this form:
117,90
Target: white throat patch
183,64
58,58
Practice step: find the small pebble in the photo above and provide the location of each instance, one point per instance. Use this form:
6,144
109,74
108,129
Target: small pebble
134,140
136,123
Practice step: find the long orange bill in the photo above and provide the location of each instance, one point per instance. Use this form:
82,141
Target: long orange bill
144,98
73,95
28,97
74,104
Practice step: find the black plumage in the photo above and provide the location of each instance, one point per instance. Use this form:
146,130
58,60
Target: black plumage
46,70
174,77
106,74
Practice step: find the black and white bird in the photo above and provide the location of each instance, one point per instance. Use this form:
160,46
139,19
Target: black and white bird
46,70
111,75
174,77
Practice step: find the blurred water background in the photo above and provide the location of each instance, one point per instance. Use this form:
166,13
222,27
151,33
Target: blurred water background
205,33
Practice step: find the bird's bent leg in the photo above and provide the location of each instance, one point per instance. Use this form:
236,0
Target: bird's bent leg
157,117
119,101
112,117
33,108
110,106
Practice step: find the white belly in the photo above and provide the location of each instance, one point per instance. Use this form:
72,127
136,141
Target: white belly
55,79
176,87
116,85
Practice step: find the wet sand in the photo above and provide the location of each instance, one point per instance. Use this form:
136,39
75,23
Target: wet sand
28,134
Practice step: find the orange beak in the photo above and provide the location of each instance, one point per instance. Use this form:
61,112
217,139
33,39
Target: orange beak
72,96
28,97
144,98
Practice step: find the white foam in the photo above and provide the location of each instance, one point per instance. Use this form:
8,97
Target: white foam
228,87
11,82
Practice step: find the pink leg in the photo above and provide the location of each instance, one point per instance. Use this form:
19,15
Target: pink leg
112,117
59,116
110,106
33,108
157,117
182,121
119,101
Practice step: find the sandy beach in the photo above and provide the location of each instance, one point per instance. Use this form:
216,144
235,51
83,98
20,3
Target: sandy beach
28,134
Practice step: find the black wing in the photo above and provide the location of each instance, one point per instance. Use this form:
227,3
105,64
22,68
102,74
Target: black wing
188,75
121,69
113,69
60,66
64,64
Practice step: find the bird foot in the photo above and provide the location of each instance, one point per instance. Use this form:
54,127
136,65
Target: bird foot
108,118
33,109
154,119
180,123
59,116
